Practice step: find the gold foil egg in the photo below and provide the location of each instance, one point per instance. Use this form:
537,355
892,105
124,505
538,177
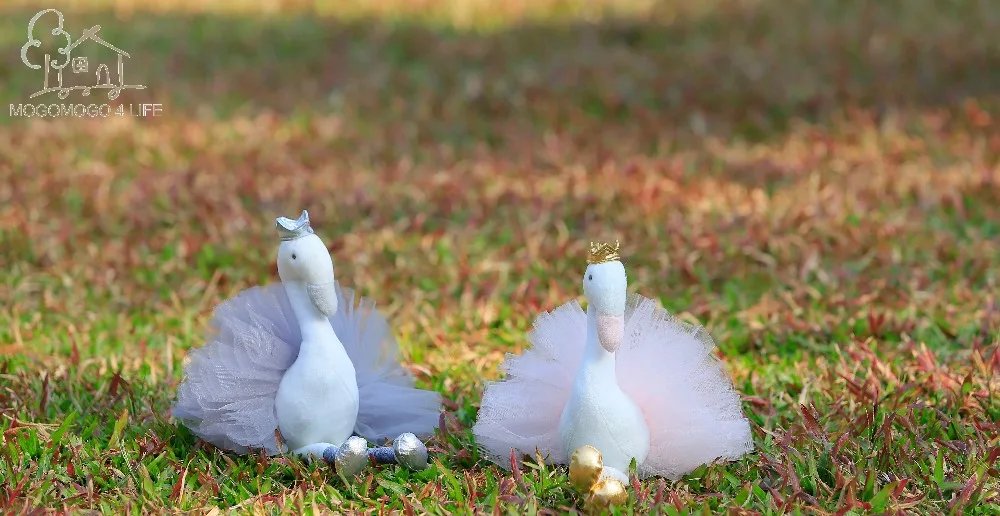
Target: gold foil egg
585,468
607,492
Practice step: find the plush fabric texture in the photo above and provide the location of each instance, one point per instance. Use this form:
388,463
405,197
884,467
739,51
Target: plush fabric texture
665,365
227,395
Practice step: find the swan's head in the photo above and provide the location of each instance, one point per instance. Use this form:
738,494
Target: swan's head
606,285
303,258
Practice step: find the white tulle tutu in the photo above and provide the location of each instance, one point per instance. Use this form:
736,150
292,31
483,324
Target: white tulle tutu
665,365
227,395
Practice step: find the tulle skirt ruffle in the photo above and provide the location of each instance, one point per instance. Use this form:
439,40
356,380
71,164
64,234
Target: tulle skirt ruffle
665,365
227,395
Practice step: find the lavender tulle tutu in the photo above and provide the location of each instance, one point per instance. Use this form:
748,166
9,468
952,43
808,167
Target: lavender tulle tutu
665,365
227,395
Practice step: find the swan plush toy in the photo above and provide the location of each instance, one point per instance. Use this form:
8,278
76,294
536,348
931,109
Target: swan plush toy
298,359
624,380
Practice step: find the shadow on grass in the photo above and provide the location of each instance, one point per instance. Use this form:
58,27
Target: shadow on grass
748,73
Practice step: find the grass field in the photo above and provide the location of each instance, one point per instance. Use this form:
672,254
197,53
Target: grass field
815,181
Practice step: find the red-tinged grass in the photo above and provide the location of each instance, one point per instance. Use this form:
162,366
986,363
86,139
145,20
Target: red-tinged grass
816,182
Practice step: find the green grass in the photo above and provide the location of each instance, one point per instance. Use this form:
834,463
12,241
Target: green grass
816,182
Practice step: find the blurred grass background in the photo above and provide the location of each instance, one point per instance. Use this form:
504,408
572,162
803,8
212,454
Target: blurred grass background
815,181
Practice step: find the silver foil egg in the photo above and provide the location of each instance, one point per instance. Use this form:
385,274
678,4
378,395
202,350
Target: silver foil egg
410,451
352,456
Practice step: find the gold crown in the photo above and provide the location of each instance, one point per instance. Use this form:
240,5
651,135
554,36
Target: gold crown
602,252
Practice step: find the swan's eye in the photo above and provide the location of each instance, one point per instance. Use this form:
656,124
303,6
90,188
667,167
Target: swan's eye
293,256
590,277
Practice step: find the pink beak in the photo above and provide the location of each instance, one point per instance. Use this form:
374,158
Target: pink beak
610,331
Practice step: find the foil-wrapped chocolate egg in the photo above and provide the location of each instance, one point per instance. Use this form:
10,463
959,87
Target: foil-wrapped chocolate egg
585,468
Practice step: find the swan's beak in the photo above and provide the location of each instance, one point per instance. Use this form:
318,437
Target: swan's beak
610,331
324,297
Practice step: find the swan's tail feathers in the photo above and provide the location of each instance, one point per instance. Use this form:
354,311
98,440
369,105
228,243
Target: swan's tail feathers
666,366
669,368
227,394
522,412
229,387
390,403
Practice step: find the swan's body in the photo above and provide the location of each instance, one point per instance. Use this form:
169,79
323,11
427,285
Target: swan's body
317,399
598,413
624,377
301,358
326,414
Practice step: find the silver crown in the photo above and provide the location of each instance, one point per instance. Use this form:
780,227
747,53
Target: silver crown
291,229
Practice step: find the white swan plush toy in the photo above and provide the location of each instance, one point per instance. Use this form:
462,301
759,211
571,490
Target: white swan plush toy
301,359
624,380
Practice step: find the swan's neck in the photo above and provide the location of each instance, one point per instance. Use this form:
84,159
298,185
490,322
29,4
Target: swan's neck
595,358
317,334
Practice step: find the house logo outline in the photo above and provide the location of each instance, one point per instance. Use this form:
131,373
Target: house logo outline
50,65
